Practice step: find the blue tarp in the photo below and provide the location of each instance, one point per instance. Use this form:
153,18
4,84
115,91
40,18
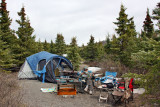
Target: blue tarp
108,75
38,73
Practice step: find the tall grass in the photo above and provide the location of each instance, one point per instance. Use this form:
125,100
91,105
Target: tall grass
10,94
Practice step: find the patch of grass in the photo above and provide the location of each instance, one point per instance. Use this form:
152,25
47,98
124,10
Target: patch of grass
10,94
155,101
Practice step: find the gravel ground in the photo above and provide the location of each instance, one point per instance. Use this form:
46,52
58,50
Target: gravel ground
33,97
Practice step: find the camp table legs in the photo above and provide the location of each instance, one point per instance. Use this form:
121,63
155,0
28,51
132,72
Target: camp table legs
116,100
118,94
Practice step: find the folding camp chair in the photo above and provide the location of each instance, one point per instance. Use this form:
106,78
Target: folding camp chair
109,77
127,84
124,93
105,93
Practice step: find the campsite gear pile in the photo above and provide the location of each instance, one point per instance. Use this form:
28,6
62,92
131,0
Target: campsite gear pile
124,95
53,68
120,91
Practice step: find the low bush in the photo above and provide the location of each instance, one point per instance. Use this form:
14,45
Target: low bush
107,64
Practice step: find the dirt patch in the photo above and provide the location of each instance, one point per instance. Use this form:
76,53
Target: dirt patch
35,98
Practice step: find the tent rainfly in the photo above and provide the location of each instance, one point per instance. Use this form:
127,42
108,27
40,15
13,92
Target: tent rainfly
44,66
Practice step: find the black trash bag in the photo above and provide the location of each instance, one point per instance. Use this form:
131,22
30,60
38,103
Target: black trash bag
109,85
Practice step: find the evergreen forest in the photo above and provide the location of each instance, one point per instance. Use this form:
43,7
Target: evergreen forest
136,52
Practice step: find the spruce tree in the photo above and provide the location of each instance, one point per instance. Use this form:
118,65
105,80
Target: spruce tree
6,60
130,42
46,46
73,54
60,46
148,26
107,46
131,48
7,35
156,15
91,50
125,30
100,50
131,31
122,22
115,48
39,46
26,40
122,26
5,22
82,51
52,47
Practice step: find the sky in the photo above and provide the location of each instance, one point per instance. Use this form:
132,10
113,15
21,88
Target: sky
77,18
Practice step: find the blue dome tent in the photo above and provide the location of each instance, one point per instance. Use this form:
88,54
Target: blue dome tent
44,66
